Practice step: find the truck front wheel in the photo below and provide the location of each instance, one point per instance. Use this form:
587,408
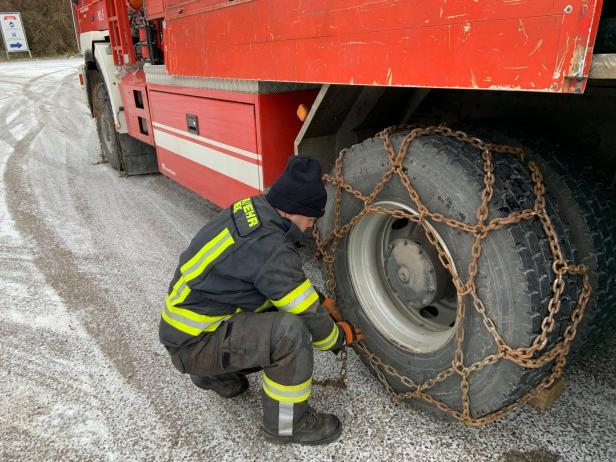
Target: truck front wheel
110,144
390,282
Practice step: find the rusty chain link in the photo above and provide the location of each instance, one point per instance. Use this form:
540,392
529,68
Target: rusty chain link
534,356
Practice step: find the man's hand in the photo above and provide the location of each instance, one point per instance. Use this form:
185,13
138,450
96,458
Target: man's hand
352,334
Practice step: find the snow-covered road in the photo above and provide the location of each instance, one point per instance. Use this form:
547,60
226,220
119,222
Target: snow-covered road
85,259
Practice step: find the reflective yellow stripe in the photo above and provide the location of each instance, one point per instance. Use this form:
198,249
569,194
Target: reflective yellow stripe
191,315
180,326
192,323
329,341
187,268
180,291
183,319
187,329
267,304
299,299
197,264
286,388
293,294
287,393
307,303
210,251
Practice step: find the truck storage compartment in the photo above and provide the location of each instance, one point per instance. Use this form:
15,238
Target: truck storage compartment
208,145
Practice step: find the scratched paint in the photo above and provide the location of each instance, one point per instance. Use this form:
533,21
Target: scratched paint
516,44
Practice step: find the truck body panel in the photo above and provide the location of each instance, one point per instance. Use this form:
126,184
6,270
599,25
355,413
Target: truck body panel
237,143
526,45
91,16
136,106
155,9
533,45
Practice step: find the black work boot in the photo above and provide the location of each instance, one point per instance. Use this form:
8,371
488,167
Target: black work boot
226,385
317,429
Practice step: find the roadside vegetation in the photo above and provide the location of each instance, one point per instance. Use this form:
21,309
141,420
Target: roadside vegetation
48,25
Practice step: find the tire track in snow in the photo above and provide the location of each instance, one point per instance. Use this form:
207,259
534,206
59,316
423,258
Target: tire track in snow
59,391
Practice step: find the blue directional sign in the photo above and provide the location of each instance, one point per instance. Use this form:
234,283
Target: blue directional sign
13,33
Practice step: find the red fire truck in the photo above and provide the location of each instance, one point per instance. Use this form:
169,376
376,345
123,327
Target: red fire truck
216,94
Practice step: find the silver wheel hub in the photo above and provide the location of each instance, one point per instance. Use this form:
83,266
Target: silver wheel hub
400,284
410,273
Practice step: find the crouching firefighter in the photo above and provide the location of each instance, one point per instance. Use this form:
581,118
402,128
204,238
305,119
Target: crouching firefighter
239,303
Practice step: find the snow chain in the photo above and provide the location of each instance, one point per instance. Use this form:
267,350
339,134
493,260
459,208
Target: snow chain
534,356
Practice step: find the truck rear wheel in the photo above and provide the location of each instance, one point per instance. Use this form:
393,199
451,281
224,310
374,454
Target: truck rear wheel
105,126
390,282
586,201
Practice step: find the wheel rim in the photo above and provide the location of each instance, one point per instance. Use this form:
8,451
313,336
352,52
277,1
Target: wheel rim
399,282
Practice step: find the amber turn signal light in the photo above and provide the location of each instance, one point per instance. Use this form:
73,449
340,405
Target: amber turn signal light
302,112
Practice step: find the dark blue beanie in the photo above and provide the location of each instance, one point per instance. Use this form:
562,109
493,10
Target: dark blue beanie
299,190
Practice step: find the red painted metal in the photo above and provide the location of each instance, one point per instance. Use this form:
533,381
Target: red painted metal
488,44
258,130
224,150
227,121
154,9
248,98
119,32
244,139
131,83
210,184
91,16
581,46
143,39
277,127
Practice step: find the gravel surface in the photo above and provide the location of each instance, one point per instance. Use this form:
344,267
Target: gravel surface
85,259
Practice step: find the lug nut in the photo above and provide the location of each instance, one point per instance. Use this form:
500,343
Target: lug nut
403,274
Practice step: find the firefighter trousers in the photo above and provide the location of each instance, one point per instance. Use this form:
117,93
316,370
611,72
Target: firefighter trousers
277,343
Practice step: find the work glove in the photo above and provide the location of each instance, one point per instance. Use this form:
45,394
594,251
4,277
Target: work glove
350,332
349,335
341,343
328,303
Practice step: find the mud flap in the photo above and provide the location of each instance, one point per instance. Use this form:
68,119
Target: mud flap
139,158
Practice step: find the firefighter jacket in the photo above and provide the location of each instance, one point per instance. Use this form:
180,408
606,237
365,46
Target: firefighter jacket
245,259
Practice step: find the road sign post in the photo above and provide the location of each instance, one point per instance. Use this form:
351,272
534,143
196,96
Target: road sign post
13,34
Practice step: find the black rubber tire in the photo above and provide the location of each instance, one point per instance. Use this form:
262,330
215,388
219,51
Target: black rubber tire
587,204
105,126
514,278
586,201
